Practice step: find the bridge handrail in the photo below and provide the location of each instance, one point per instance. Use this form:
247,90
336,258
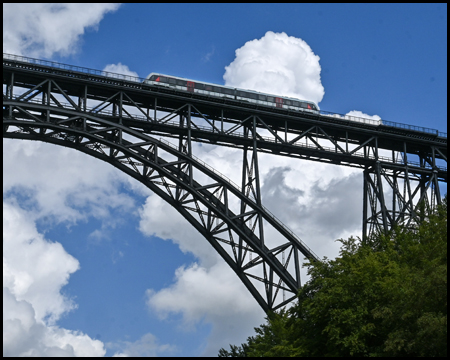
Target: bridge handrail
204,128
384,123
130,78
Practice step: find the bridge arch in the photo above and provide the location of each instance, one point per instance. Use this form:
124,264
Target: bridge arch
236,233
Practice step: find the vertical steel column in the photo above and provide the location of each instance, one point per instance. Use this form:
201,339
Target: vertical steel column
380,193
244,191
120,107
250,174
250,186
435,191
156,104
10,92
46,99
185,141
365,204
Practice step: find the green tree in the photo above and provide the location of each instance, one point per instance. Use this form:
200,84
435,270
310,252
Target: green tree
384,297
235,351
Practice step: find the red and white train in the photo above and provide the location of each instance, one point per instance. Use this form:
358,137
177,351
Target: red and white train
199,87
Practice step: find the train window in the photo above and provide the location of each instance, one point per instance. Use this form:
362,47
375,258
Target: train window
217,89
241,94
208,87
200,86
181,82
270,99
295,103
172,81
287,102
153,77
261,97
228,91
251,96
162,79
304,105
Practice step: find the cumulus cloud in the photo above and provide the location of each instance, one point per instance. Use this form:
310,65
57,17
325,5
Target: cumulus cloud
82,186
277,64
160,219
146,346
34,271
41,30
360,114
319,202
66,187
213,295
120,69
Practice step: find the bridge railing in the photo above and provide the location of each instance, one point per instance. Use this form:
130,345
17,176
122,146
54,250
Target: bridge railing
377,122
85,70
76,68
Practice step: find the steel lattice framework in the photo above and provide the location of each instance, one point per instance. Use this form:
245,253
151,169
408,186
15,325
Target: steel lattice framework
121,120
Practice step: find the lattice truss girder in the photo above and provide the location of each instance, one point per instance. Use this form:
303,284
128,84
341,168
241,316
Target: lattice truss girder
233,221
313,142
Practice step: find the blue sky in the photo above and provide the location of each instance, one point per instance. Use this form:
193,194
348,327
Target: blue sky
135,279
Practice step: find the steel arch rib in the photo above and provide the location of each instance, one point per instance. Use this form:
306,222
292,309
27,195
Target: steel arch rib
165,170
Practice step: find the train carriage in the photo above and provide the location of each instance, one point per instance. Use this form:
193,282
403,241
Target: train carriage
199,87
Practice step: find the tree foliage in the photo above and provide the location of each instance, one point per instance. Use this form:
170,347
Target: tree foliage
384,297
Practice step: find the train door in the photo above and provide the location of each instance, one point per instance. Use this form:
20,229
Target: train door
190,86
279,102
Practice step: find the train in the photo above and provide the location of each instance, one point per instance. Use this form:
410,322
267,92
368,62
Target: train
200,87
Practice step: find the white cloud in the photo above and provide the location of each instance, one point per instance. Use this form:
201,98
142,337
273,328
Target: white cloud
34,271
212,295
66,186
160,219
277,64
41,30
360,114
146,346
120,69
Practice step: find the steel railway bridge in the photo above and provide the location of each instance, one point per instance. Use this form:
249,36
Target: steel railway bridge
121,120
